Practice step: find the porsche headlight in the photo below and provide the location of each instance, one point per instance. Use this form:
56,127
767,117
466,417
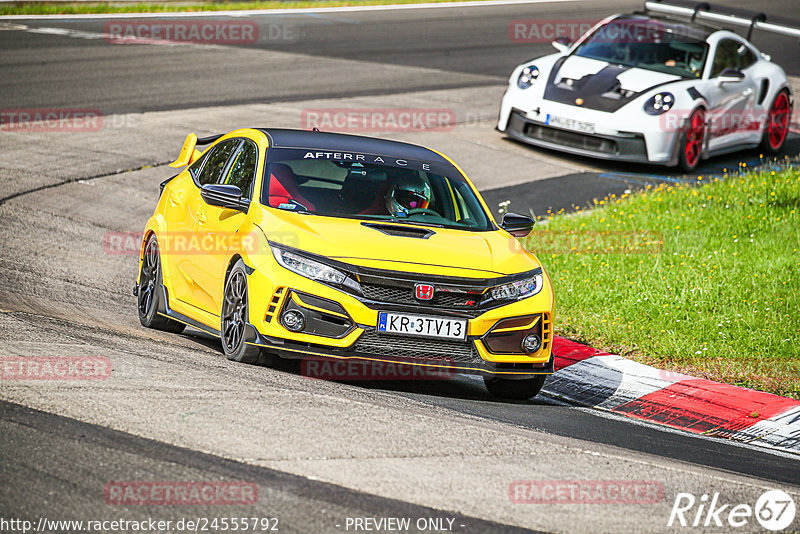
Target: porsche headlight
527,76
519,289
659,103
307,267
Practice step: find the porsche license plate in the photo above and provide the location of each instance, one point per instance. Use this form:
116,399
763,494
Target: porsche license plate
421,325
570,124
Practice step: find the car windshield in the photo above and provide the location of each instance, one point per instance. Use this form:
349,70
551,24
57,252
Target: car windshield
648,44
372,187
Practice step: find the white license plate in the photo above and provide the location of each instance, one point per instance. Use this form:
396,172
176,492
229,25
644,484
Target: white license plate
570,124
421,325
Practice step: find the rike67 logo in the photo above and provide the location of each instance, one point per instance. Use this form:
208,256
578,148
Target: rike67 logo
774,510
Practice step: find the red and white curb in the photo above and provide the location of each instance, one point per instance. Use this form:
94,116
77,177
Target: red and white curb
591,377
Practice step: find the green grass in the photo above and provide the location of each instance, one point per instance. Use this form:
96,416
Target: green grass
68,8
700,279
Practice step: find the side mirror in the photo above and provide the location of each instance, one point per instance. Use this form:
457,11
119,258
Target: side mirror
517,225
562,44
224,196
730,76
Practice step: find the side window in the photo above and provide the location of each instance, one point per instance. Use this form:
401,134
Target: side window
243,168
748,56
216,161
727,56
196,167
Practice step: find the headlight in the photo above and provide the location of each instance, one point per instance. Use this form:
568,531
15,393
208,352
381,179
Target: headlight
527,76
659,103
308,267
519,289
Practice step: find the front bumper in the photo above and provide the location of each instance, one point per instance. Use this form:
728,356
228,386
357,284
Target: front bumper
631,147
374,347
343,326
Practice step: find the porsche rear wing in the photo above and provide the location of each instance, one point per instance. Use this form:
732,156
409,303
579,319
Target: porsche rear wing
703,11
188,153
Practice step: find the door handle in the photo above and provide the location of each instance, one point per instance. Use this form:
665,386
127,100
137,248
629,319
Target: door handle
174,197
201,218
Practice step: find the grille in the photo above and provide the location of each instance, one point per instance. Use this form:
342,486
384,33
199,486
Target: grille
571,139
405,295
417,348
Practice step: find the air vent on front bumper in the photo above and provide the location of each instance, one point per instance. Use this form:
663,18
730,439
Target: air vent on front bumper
417,348
571,139
322,317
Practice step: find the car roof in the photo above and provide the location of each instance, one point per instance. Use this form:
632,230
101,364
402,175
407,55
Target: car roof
288,138
685,28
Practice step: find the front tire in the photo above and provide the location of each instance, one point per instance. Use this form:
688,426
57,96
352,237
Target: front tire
691,142
505,388
235,316
149,294
777,127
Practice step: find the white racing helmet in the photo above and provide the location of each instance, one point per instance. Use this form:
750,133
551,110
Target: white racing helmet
406,193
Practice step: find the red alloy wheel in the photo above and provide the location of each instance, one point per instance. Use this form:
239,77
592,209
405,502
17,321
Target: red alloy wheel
778,119
694,137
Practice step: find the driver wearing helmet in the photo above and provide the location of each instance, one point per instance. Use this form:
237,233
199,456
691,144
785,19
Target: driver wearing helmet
407,193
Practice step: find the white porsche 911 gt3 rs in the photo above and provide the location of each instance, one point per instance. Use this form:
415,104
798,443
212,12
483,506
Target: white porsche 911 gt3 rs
651,87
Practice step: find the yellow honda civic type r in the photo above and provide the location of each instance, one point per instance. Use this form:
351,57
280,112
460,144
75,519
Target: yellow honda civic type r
311,245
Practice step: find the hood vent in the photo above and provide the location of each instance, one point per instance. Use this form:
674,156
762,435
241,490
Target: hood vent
401,231
618,93
601,91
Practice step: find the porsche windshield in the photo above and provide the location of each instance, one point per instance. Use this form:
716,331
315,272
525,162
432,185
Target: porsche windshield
648,44
367,186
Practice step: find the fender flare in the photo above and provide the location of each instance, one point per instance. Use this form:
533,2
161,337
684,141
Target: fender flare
154,226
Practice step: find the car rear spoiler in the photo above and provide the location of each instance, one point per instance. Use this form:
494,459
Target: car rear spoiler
189,153
703,11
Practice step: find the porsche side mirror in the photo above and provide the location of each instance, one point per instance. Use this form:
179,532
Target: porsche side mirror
730,76
224,196
562,44
517,225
